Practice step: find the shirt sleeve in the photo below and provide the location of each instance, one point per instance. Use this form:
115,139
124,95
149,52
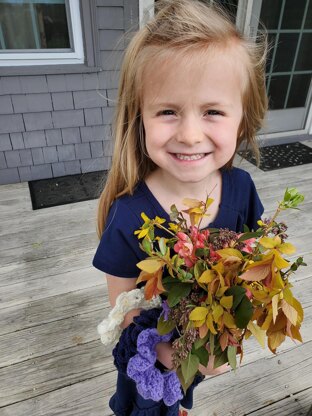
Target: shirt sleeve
118,251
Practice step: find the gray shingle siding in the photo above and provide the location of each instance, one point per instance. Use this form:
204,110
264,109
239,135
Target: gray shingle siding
60,124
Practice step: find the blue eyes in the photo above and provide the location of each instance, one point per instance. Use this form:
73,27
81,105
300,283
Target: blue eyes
172,113
214,113
167,113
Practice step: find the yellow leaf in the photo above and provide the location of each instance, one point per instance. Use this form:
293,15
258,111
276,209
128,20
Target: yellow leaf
199,324
297,305
259,294
230,252
267,322
159,220
221,290
191,203
150,265
209,201
275,300
287,248
278,282
279,261
144,217
219,268
207,276
217,311
226,301
141,233
198,313
209,323
257,332
228,320
288,296
290,312
173,227
268,242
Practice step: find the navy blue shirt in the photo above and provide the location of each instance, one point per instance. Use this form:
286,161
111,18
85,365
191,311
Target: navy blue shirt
119,251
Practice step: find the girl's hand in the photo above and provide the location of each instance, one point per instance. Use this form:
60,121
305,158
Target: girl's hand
210,371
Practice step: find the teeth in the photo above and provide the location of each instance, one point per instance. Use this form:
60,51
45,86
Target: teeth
197,156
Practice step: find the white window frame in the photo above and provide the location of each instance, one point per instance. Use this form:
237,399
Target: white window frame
146,11
52,58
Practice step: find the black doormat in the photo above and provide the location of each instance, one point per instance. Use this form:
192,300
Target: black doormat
66,189
281,156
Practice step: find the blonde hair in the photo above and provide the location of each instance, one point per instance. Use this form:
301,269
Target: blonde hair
179,25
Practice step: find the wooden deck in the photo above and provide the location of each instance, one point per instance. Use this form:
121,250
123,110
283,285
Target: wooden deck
51,360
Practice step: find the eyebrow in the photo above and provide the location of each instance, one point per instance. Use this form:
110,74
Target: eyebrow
172,105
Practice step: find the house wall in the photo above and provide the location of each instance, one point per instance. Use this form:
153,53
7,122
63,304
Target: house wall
55,124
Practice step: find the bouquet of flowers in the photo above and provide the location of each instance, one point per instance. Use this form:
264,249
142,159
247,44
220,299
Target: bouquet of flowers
219,287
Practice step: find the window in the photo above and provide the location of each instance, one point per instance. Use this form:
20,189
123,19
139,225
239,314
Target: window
49,32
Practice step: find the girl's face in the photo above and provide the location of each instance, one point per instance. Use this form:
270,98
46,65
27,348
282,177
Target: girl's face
191,111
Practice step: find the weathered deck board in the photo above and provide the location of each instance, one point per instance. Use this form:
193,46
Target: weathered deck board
49,286
49,266
257,385
51,361
36,249
53,308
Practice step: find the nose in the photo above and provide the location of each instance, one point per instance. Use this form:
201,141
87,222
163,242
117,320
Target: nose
190,130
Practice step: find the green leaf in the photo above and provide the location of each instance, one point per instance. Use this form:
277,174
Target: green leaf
169,280
292,198
184,385
162,246
220,359
164,327
189,367
246,229
177,292
214,230
147,246
238,293
151,234
200,342
247,236
202,252
203,356
231,355
243,313
174,213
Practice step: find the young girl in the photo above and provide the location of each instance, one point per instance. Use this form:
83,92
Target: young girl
192,88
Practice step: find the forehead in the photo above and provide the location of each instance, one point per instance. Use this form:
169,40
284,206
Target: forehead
195,73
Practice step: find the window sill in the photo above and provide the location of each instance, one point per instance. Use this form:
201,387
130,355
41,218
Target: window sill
7,71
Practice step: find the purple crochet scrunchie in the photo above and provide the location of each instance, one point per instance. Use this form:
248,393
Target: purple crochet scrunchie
127,345
150,381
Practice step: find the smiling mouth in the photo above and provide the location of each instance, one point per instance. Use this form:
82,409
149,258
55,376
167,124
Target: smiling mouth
195,156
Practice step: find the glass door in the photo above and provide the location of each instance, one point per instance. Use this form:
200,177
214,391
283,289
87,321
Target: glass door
289,66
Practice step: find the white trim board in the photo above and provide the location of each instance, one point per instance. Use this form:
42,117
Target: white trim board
52,58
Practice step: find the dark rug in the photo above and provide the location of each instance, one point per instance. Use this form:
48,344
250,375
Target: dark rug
66,189
281,156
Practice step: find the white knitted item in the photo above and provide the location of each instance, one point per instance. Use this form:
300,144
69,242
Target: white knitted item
109,329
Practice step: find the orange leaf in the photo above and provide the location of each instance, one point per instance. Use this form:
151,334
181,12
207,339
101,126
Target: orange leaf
279,325
258,271
290,312
275,340
154,285
203,331
295,333
224,339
